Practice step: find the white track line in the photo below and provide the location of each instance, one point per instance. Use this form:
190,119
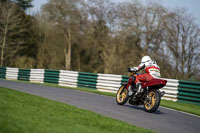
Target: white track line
180,111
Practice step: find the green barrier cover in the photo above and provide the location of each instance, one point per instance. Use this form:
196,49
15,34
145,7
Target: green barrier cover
92,80
51,76
24,74
180,89
189,82
124,79
189,92
190,86
3,72
192,100
88,80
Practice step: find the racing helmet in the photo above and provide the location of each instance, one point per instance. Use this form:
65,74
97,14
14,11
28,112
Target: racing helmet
147,61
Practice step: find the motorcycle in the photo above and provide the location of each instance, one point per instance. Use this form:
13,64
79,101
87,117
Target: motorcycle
150,95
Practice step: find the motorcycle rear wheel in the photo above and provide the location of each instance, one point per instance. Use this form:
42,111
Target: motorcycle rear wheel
122,95
153,101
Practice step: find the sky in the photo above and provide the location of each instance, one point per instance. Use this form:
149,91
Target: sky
192,6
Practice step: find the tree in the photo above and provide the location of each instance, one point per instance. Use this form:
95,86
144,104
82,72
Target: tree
102,15
23,4
64,15
182,40
12,30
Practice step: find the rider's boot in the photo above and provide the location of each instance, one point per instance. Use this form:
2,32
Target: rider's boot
130,91
139,88
137,94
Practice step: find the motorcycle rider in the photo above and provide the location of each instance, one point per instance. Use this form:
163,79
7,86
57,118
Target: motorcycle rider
152,71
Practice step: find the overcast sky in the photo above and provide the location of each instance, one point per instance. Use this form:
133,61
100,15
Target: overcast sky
193,6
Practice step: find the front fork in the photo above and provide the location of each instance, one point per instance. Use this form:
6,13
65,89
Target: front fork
131,81
130,84
128,87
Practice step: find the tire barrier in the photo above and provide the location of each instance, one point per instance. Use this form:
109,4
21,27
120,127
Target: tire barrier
175,90
87,80
37,75
51,76
189,92
68,78
24,74
108,82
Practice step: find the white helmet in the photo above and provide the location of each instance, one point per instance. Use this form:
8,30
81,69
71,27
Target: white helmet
147,61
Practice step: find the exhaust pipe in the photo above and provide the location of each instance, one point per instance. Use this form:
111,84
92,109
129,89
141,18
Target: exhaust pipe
162,93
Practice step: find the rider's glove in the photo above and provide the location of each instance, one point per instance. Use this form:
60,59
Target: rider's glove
133,69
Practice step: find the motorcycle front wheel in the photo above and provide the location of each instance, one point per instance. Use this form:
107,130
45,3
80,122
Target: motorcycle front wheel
152,101
122,95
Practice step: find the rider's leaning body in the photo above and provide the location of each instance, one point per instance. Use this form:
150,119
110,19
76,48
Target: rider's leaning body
152,72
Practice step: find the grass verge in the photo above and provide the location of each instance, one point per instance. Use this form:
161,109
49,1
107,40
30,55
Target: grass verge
185,107
21,113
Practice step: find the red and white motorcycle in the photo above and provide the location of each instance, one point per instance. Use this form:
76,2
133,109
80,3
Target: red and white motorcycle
150,95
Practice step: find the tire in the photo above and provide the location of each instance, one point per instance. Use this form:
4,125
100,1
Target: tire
122,95
152,104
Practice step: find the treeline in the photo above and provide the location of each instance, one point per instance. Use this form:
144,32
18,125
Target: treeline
99,36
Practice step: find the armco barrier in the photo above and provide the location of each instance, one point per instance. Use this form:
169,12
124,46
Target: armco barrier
183,91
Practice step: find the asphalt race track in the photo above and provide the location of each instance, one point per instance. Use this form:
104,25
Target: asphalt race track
162,121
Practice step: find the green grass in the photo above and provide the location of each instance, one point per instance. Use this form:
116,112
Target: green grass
25,113
185,107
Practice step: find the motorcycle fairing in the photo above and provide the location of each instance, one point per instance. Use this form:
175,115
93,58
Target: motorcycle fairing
154,83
